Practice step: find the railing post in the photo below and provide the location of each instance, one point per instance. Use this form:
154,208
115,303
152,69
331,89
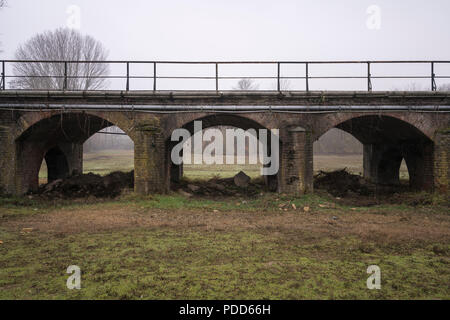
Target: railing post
433,78
278,77
65,76
128,77
217,77
154,76
3,84
307,76
369,80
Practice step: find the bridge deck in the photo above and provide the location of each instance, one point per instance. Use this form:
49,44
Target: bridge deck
438,100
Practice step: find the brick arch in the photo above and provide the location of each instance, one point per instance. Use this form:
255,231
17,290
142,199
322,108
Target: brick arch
243,121
174,172
30,119
40,133
419,122
387,140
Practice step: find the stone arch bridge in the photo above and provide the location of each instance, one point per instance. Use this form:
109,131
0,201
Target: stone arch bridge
392,126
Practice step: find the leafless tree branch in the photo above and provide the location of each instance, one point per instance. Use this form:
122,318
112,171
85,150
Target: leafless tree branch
246,84
62,44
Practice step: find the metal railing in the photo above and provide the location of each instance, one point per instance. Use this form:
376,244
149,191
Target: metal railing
308,76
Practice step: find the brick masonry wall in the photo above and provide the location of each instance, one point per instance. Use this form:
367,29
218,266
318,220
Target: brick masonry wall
19,163
7,160
149,158
296,162
442,161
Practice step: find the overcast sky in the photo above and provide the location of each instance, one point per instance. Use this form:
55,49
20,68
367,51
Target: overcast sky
243,29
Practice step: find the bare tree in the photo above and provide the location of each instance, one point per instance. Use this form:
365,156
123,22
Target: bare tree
2,4
63,44
285,85
246,84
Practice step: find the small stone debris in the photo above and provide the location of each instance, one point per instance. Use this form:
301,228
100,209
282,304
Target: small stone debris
221,186
306,209
86,185
193,188
184,193
241,179
341,183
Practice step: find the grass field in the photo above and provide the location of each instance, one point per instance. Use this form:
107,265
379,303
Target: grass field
270,246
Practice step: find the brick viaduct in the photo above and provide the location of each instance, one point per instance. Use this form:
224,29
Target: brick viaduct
392,126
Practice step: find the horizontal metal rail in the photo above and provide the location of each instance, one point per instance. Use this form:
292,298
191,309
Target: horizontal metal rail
212,108
18,71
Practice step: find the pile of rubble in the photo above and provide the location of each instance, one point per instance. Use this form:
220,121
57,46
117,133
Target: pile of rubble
341,183
85,185
240,184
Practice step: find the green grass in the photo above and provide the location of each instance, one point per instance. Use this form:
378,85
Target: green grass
163,264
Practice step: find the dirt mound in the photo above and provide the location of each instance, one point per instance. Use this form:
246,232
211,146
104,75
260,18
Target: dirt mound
219,187
85,185
341,183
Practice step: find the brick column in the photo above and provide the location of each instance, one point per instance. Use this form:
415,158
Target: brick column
442,161
173,171
382,162
7,161
419,159
369,167
296,163
149,154
74,156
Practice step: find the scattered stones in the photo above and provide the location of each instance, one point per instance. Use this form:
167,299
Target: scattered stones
341,183
306,209
86,185
220,187
241,180
193,188
184,193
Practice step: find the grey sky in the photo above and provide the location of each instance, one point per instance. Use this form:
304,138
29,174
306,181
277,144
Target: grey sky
242,29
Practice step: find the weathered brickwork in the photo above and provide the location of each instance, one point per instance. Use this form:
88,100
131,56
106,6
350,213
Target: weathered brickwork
296,161
27,137
442,161
7,158
149,158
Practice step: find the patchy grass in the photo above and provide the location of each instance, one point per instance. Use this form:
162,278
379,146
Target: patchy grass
170,247
269,246
164,264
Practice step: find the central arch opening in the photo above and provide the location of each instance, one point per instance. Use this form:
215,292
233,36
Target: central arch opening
223,158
